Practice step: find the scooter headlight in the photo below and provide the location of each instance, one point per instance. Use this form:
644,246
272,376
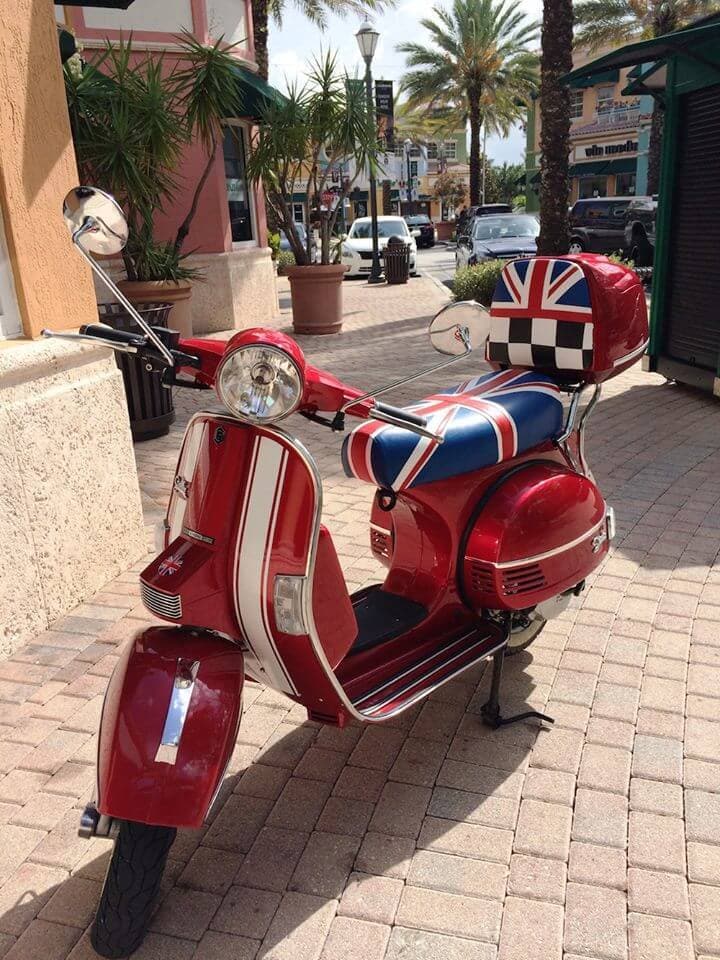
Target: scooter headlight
260,382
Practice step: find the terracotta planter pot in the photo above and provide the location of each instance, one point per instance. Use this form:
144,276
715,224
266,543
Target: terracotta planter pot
168,291
317,298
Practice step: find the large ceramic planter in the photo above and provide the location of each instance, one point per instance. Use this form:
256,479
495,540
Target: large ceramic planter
177,293
317,298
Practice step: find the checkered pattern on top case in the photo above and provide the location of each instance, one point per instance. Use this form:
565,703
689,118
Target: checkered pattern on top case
541,342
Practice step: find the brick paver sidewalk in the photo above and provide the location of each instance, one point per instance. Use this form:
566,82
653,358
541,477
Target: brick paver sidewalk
429,838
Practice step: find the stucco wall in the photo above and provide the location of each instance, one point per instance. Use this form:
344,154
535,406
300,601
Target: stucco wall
239,291
37,168
70,517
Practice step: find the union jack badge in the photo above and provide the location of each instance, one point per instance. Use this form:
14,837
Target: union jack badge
170,565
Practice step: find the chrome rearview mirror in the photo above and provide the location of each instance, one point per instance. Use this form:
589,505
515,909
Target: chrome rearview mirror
96,221
460,328
98,226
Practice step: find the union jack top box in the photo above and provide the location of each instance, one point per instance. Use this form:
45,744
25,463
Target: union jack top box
577,318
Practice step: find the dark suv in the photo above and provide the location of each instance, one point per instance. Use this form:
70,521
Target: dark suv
640,230
598,225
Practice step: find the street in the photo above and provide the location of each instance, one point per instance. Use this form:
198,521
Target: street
438,262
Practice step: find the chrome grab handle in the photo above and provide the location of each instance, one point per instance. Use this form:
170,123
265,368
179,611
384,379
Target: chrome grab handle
113,344
376,414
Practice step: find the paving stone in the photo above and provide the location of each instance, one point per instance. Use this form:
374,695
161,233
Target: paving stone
51,941
597,865
473,807
470,917
238,823
319,764
536,878
656,843
20,785
43,811
702,775
605,768
659,693
25,894
558,750
595,921
477,778
286,745
299,929
359,783
210,870
299,805
400,810
545,920
246,912
702,813
377,748
260,780
325,864
350,817
701,739
73,903
186,913
272,859
552,786
656,758
419,761
489,753
654,937
407,944
543,830
664,894
655,796
440,871
16,843
703,862
658,723
385,856
705,909
223,946
600,818
352,939
610,733
616,702
368,897
466,840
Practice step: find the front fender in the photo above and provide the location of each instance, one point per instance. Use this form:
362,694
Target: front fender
140,780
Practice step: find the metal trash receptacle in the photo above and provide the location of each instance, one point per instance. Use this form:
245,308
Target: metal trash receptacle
150,403
397,260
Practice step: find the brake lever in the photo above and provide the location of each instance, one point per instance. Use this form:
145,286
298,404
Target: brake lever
113,344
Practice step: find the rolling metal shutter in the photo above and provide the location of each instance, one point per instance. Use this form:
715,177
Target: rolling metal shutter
692,324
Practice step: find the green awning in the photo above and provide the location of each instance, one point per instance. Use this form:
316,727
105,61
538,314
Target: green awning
256,95
623,165
646,51
592,169
604,76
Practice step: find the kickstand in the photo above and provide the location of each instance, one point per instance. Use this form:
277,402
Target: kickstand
490,711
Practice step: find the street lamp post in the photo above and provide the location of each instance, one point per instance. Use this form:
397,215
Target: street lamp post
367,39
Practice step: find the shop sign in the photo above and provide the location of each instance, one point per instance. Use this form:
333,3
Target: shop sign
598,151
385,111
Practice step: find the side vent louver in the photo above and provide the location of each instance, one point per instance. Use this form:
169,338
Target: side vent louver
168,605
523,580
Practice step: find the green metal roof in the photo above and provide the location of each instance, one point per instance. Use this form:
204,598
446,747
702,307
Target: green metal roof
591,169
603,76
647,51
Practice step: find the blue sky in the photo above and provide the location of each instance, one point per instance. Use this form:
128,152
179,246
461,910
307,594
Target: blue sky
297,40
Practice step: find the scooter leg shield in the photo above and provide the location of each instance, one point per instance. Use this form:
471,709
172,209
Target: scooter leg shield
168,727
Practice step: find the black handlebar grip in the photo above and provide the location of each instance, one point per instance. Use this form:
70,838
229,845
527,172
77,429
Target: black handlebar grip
400,414
108,333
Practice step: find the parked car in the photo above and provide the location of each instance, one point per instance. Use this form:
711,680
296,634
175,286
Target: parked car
598,225
482,210
302,234
356,250
503,237
640,230
422,228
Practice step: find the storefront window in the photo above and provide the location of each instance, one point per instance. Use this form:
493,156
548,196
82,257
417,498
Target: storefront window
592,187
605,98
236,183
625,185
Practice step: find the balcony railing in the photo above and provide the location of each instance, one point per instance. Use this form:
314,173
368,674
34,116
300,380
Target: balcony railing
614,115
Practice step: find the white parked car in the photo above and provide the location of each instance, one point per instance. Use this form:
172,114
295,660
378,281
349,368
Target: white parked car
356,251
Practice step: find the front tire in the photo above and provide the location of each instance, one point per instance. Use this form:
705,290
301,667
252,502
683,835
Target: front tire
131,888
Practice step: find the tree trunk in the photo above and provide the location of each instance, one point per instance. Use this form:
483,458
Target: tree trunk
556,60
260,31
475,124
655,149
184,228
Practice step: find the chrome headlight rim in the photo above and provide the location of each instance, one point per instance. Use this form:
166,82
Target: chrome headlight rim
249,417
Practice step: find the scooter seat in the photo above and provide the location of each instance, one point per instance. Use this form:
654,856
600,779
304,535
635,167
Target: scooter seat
483,421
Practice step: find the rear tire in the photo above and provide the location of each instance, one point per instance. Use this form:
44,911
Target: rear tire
525,628
131,888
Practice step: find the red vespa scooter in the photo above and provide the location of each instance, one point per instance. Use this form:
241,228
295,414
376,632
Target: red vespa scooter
486,516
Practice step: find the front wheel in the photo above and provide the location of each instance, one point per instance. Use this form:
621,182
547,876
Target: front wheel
131,887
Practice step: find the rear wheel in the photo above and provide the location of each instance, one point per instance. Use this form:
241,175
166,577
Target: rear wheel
524,628
131,887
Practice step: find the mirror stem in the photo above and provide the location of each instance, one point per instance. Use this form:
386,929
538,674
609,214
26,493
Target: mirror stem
98,271
415,376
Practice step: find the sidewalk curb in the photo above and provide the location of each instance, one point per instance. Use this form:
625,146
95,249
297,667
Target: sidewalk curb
439,284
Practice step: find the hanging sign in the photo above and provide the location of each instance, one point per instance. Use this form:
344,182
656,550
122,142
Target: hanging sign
385,112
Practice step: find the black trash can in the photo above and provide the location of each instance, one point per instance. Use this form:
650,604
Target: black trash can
397,260
150,403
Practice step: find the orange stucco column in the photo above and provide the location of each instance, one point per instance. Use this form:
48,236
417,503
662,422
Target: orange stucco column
37,168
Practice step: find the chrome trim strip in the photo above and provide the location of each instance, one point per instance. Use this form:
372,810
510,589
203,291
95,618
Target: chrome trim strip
183,686
509,564
377,529
629,356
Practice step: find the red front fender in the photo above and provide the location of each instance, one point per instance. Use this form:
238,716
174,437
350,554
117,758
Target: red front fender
136,779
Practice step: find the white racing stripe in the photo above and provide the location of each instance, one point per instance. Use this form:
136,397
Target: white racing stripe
260,510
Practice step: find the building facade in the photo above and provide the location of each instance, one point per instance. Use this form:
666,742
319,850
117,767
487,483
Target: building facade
228,236
608,137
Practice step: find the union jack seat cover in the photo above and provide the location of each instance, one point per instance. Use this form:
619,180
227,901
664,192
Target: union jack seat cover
541,316
482,421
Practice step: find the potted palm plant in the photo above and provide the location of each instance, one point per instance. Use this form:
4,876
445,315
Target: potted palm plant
319,128
132,117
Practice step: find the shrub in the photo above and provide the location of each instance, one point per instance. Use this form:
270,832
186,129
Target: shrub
284,259
478,282
274,244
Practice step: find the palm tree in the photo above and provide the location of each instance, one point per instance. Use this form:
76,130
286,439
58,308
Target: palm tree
555,62
603,23
478,66
315,10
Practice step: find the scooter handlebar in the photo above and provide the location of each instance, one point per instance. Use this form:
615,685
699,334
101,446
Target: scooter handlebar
100,331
